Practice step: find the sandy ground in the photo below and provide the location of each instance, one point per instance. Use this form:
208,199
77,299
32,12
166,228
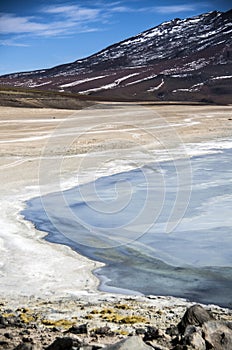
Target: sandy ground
44,150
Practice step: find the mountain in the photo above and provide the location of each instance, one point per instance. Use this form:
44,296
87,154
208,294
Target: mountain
179,60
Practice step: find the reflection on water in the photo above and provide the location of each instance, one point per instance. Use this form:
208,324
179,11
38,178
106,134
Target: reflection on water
121,220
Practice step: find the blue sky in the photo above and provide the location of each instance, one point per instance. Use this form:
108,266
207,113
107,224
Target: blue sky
36,34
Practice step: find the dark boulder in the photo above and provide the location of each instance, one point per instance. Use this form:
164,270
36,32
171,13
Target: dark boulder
196,315
64,344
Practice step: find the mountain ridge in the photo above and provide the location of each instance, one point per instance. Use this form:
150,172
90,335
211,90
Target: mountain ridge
181,59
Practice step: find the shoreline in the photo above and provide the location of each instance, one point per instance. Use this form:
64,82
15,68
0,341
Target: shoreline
45,274
53,285
207,148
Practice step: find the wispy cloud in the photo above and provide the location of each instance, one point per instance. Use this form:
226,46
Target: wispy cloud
60,20
174,8
74,12
121,9
51,21
10,23
168,9
12,42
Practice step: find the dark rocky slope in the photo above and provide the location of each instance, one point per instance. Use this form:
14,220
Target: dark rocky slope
179,60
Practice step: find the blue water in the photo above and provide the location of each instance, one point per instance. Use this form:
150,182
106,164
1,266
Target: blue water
165,229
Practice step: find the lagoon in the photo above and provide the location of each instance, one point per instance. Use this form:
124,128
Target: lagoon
163,229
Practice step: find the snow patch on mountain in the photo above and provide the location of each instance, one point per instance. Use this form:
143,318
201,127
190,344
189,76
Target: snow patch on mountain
41,84
143,79
193,88
222,77
104,87
78,82
118,81
109,86
152,89
182,90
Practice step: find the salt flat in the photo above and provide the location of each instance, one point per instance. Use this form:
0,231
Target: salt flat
44,150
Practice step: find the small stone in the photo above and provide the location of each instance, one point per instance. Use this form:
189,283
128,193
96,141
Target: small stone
27,339
140,331
103,331
8,336
25,332
4,344
151,334
55,329
172,331
3,322
82,329
25,346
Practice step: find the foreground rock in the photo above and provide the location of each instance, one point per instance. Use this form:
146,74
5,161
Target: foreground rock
115,324
65,344
218,335
195,316
134,342
198,330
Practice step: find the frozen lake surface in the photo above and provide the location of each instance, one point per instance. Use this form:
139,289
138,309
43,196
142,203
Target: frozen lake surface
121,220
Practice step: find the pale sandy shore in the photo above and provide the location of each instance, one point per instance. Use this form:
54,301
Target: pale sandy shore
45,150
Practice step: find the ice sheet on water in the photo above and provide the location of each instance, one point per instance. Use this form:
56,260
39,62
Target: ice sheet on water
193,261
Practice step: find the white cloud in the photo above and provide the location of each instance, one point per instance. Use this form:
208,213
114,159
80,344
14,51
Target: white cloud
174,8
66,20
9,23
12,42
60,20
59,9
74,12
169,9
121,9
